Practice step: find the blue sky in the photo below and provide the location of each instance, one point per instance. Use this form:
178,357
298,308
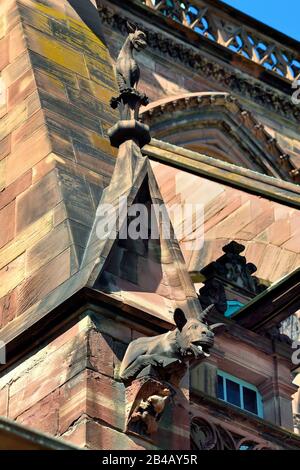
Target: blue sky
283,15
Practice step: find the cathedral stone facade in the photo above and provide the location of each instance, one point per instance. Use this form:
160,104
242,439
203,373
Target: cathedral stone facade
186,337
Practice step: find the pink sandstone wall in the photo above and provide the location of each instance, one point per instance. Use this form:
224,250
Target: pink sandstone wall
55,85
270,231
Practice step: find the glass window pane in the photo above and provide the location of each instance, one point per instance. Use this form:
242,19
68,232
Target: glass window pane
233,306
250,400
220,391
233,393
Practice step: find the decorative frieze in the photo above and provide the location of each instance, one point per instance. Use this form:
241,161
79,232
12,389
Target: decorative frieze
207,435
215,25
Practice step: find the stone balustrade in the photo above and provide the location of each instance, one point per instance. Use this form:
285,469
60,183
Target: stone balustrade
212,22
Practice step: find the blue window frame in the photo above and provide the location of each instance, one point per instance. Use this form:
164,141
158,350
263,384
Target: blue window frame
239,393
232,307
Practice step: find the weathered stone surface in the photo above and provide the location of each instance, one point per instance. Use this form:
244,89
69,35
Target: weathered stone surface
42,374
4,52
8,307
18,115
47,412
11,275
3,401
35,148
101,353
5,146
46,52
56,51
16,69
21,88
50,84
94,436
43,281
47,248
93,394
7,224
107,325
38,200
26,130
17,42
26,239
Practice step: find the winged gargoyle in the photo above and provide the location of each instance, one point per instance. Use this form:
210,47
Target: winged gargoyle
129,101
127,68
128,71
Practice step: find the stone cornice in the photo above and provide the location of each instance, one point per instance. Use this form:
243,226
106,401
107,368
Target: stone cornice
14,436
267,91
49,325
272,306
225,173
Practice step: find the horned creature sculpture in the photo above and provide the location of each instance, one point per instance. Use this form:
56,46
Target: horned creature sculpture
159,363
190,341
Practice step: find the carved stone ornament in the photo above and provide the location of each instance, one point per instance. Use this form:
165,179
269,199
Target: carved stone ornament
213,291
275,333
256,91
193,111
231,270
160,362
130,99
229,32
207,435
146,400
297,422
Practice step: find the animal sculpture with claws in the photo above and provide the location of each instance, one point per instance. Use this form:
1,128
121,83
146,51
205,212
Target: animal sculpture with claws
191,340
128,70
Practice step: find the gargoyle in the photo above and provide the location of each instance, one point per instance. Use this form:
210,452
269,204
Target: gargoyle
129,101
128,70
191,340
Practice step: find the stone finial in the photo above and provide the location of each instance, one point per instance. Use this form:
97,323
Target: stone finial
231,271
130,99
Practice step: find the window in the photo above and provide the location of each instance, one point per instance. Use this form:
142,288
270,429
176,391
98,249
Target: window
232,307
239,393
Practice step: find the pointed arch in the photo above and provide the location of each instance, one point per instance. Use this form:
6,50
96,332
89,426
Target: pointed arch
215,124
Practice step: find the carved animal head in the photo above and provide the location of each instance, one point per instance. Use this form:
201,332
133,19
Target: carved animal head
137,38
194,336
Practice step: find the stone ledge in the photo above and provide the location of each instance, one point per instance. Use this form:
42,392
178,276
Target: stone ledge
16,437
225,173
